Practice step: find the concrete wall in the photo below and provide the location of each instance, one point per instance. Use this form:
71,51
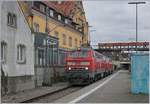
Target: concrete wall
20,76
39,74
116,64
59,74
20,83
46,76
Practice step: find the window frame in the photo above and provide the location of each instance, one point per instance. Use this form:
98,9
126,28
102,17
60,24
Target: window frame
42,8
41,57
51,13
3,52
12,20
80,43
64,39
21,54
9,19
56,34
76,42
36,27
59,2
70,41
66,21
59,17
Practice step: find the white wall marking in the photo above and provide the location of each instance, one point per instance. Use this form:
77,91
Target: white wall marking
91,91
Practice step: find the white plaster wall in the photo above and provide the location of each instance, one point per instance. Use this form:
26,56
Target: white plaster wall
13,37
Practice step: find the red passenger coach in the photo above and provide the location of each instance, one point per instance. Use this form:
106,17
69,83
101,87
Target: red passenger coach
86,65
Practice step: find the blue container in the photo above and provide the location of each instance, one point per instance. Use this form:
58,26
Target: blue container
139,73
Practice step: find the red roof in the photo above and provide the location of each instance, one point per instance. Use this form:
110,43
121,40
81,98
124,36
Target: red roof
64,8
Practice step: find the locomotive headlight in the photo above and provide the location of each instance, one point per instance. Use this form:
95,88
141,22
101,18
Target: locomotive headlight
69,68
86,68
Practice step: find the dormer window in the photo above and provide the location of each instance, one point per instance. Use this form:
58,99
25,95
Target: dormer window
59,17
66,21
51,13
42,8
59,2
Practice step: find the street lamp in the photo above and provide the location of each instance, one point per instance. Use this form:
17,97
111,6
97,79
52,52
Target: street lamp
136,3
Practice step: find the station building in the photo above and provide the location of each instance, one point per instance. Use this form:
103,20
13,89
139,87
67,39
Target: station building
62,19
29,30
17,50
61,22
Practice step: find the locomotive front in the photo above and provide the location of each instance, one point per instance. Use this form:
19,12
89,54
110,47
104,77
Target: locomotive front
78,65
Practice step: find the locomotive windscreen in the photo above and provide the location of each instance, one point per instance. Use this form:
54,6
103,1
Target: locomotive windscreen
80,53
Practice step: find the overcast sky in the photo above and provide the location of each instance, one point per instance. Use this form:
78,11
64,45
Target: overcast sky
114,20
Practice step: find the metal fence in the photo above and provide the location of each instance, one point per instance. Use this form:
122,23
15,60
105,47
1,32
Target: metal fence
49,65
46,57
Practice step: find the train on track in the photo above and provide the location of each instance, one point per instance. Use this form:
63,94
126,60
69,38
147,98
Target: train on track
84,66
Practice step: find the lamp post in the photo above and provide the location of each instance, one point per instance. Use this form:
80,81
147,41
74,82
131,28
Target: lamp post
136,3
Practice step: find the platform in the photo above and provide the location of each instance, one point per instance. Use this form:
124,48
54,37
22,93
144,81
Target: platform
33,93
113,89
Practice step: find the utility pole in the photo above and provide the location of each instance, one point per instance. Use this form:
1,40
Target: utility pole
136,3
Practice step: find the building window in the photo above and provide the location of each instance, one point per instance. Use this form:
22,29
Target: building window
12,20
80,22
59,17
3,51
9,19
70,41
80,43
64,39
21,55
56,34
41,58
76,43
42,8
59,2
66,21
51,13
36,27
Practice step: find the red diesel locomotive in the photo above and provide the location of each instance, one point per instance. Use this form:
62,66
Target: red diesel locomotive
85,66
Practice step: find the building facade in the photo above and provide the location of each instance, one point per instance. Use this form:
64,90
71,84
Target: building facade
17,57
62,19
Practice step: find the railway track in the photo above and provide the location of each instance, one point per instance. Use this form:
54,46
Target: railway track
50,97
